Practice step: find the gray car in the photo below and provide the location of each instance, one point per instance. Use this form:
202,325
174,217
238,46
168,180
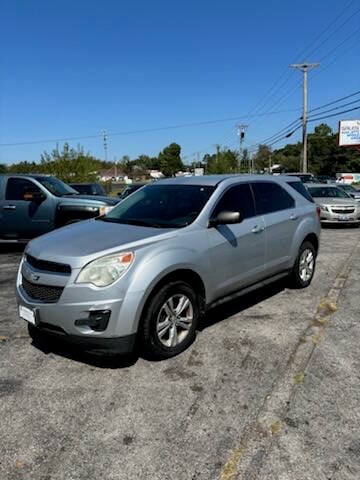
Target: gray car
145,273
337,207
350,190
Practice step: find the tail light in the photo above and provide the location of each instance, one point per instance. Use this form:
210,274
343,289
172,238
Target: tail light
318,211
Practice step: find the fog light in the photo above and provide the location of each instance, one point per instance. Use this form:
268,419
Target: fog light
97,320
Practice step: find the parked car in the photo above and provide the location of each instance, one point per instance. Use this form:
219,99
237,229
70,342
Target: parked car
325,179
335,204
145,272
31,205
93,188
304,177
350,190
129,189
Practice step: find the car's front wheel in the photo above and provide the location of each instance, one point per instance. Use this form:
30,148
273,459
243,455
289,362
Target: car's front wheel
304,268
170,320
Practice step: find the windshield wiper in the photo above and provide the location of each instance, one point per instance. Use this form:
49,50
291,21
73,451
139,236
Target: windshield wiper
129,221
139,222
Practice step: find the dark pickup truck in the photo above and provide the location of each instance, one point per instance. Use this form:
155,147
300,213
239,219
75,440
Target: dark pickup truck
31,205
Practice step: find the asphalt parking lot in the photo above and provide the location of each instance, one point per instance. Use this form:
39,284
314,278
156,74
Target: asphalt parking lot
269,390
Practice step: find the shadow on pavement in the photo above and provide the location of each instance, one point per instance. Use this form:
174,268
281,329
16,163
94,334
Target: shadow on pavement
6,248
49,344
237,305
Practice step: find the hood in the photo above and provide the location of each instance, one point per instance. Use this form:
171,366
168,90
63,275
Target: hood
349,202
80,242
91,199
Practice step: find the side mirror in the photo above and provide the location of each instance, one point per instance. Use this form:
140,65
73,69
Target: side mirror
34,196
225,218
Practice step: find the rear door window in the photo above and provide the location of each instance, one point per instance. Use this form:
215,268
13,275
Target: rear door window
271,197
300,188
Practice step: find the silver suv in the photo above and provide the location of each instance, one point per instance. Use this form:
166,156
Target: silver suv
144,273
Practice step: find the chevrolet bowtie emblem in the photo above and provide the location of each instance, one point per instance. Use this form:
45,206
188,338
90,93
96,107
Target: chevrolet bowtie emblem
34,277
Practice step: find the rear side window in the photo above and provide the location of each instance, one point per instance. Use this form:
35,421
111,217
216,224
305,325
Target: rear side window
300,188
237,199
270,197
17,187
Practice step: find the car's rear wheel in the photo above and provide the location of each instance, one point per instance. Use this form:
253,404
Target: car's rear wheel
170,320
304,268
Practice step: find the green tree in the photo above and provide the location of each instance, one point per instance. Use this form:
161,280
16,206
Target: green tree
3,168
262,157
170,161
69,164
223,161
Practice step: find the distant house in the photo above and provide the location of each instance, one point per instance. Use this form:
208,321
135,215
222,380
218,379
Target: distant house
156,174
112,173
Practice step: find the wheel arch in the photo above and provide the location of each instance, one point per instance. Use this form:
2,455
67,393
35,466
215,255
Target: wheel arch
313,239
182,274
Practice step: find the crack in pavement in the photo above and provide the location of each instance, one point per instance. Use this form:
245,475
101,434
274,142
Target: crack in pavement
256,443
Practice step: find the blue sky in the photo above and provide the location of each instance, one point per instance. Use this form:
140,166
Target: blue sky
71,68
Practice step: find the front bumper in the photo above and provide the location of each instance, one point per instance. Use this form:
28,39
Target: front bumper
114,345
338,221
70,312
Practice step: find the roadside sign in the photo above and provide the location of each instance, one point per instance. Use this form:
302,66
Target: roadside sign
349,133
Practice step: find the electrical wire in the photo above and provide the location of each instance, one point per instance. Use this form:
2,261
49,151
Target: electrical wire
304,52
335,101
334,114
145,130
335,108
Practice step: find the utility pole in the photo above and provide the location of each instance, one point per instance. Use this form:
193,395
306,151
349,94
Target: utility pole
241,132
104,134
304,67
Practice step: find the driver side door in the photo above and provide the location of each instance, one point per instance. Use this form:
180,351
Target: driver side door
238,250
22,216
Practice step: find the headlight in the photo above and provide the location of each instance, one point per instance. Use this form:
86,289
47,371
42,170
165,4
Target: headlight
324,208
105,210
105,270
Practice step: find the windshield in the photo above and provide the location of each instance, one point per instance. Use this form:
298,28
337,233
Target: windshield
348,188
322,192
56,186
161,206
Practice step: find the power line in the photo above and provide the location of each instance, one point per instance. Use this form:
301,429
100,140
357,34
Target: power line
335,101
334,114
336,108
305,52
335,31
145,130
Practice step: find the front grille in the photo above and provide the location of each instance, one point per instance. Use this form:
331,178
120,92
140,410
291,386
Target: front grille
48,266
44,293
343,210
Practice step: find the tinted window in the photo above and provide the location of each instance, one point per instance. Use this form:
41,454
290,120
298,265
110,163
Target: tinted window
17,187
56,186
327,192
270,197
237,199
162,206
299,187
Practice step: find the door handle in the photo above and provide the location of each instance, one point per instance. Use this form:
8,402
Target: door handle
257,229
293,216
9,207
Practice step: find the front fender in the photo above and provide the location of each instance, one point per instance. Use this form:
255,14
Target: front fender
153,270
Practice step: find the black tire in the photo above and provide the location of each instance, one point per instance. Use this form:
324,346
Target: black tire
153,338
304,269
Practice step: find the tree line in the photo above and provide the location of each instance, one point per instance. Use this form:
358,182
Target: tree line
325,157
